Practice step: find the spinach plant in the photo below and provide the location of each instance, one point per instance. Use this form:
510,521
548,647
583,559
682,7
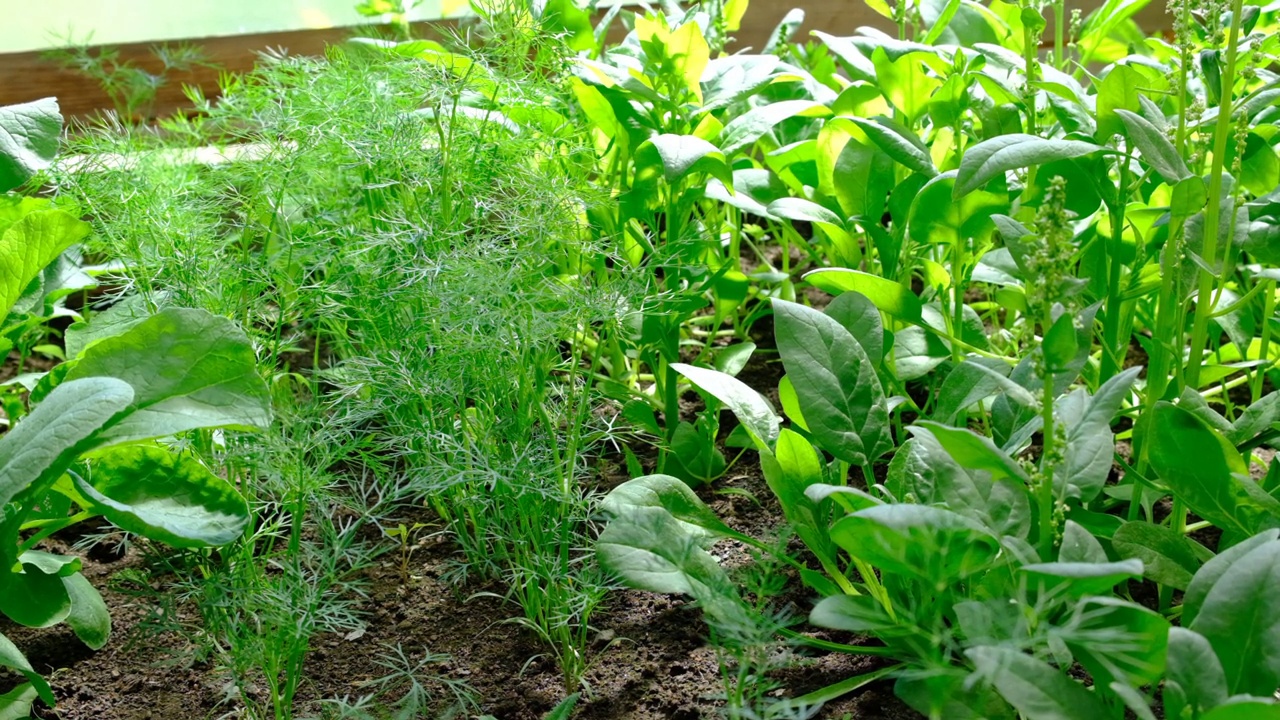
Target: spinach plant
89,444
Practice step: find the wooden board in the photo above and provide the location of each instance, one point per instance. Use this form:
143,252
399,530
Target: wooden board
29,76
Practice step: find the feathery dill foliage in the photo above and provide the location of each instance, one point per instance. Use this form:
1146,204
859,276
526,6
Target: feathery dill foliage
408,265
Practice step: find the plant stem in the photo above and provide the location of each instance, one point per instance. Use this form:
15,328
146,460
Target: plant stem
1212,211
1264,343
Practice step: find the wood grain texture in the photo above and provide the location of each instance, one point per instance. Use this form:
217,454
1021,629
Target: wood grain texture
28,76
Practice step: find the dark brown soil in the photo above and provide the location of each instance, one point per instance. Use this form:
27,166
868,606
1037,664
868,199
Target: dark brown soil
652,659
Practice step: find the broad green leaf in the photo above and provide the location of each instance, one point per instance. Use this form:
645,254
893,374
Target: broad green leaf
1119,90
904,80
1245,709
16,704
1059,345
924,471
28,140
676,157
1080,579
861,318
1156,149
30,244
793,208
851,613
791,470
12,658
889,296
89,617
898,142
649,550
1119,641
839,392
671,494
188,368
1194,668
1189,197
750,407
930,543
973,451
937,215
991,158
975,379
1034,688
44,444
1080,546
115,320
1207,576
1090,443
1205,471
166,496
33,597
1241,620
744,130
1168,557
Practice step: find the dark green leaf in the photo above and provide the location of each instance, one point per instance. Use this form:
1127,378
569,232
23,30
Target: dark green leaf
1205,471
89,617
839,392
861,318
1195,670
1034,688
1167,556
1081,579
1241,620
45,443
165,496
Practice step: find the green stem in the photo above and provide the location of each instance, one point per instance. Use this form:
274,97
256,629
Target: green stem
1212,211
1044,493
1113,353
1264,343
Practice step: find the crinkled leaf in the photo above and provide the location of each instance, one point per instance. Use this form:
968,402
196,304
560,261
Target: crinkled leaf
28,140
164,495
29,245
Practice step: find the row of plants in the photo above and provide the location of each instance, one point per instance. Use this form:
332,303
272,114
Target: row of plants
1026,253
1024,303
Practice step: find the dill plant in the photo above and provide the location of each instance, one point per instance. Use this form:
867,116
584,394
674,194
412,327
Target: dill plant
409,272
